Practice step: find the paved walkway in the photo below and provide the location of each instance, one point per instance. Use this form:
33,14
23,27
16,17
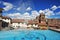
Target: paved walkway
54,29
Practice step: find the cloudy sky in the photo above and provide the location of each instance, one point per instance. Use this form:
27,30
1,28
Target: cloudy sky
29,9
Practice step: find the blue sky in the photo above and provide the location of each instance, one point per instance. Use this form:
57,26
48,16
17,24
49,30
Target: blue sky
29,9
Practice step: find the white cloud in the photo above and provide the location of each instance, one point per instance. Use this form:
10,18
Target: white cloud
14,14
18,8
54,7
58,13
41,11
24,6
47,12
26,15
34,14
0,2
20,16
58,6
8,6
28,9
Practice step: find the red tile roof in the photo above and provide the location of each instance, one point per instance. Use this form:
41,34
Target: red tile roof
32,22
5,17
42,24
52,25
17,20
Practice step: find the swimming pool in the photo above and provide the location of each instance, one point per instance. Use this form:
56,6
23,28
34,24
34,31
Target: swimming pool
29,35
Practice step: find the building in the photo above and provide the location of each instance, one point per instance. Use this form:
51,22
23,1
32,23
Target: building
38,23
42,21
18,23
33,23
6,21
21,23
54,23
1,18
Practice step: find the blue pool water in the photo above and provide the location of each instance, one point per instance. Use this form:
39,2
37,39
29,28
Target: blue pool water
29,35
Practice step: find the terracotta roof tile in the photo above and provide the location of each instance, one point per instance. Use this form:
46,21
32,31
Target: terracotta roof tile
5,17
52,25
32,22
17,20
42,24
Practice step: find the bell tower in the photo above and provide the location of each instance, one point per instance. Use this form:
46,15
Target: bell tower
42,18
1,18
42,21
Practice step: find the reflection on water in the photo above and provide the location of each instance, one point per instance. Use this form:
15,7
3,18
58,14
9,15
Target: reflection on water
29,35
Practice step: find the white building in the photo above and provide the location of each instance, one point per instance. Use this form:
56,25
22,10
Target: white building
6,21
32,23
18,23
21,23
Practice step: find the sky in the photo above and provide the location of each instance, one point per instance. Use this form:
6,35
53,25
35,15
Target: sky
30,9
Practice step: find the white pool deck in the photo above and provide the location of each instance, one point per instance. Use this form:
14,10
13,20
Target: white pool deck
54,29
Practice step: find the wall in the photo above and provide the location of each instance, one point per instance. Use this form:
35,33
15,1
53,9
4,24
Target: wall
7,20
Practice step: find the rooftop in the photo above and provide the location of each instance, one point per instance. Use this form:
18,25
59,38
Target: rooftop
17,20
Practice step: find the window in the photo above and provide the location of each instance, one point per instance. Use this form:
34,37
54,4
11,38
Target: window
18,22
42,17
